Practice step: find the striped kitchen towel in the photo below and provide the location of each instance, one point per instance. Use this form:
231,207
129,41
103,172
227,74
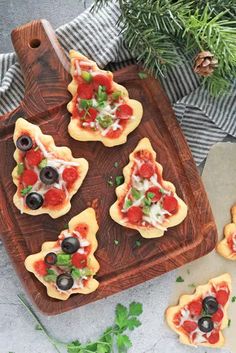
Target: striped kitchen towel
204,120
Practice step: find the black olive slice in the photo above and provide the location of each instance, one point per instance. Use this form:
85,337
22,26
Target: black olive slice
70,245
64,281
49,175
24,143
210,305
50,258
205,324
34,200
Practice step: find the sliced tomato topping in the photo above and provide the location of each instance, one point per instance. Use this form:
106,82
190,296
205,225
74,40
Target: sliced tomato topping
82,228
177,319
157,194
41,267
70,174
79,260
218,315
214,337
146,170
195,307
85,91
170,204
89,115
124,111
33,157
102,80
29,177
135,214
189,326
54,197
222,296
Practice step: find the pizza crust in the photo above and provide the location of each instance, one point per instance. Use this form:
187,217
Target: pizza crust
145,144
223,247
84,134
88,216
22,126
185,299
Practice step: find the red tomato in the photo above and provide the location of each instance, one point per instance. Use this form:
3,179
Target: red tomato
222,296
70,174
33,157
218,316
146,170
177,319
85,91
124,111
41,267
214,337
189,326
135,214
29,177
54,197
157,194
102,80
82,228
170,204
79,260
91,115
195,307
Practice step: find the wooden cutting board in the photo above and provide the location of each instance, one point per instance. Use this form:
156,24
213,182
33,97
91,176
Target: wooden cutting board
45,69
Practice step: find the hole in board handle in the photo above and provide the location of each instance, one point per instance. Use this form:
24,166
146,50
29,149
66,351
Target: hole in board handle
35,43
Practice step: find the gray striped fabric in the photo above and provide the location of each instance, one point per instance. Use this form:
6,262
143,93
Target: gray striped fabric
204,120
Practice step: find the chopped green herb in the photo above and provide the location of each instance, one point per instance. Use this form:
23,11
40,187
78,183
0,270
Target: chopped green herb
51,276
150,195
76,273
142,75
146,210
43,163
105,121
101,95
63,260
229,322
135,193
26,190
137,243
128,203
86,76
116,242
110,181
116,164
116,95
233,299
192,285
119,180
20,168
179,279
162,191
147,202
86,103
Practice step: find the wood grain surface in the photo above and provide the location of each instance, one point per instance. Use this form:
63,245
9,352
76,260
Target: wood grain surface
45,69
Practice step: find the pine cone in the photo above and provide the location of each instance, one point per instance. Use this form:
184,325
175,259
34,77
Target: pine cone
205,63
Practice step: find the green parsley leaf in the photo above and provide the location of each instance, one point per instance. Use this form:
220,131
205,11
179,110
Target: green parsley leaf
116,242
119,180
26,190
123,343
73,347
142,75
135,309
43,163
116,164
135,193
128,203
86,103
121,316
86,76
229,322
101,348
233,299
63,260
150,195
133,323
20,168
179,279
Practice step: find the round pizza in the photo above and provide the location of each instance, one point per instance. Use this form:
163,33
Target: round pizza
46,176
227,246
101,109
146,201
67,266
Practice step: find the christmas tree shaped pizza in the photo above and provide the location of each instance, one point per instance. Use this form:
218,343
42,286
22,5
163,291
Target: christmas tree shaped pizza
227,247
46,176
100,108
146,201
67,266
199,318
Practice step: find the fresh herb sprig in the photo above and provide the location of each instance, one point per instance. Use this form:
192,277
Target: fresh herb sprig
114,338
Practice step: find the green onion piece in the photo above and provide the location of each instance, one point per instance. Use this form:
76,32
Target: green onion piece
26,190
43,163
116,95
135,193
51,276
128,203
119,180
63,260
86,103
76,273
147,202
150,195
105,121
146,210
101,95
20,168
86,76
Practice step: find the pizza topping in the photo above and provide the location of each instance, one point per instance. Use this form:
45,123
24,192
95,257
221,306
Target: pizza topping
70,245
54,197
135,214
189,326
214,337
218,316
70,175
50,258
205,324
33,157
34,200
146,170
124,111
24,143
210,305
64,281
222,296
79,260
29,177
170,204
195,307
232,242
102,80
40,268
49,175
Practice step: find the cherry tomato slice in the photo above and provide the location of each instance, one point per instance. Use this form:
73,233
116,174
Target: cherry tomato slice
33,157
29,177
157,194
222,296
195,307
41,267
135,214
170,204
124,111
214,337
54,197
70,174
85,91
146,170
189,326
102,80
79,260
82,228
218,316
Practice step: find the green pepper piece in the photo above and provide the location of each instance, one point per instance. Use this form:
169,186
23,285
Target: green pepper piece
105,121
43,163
128,203
86,103
63,260
135,193
86,76
101,95
20,168
26,190
51,276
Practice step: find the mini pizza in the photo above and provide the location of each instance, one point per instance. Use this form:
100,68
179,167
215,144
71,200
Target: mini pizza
227,246
146,201
200,318
46,176
100,108
67,266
